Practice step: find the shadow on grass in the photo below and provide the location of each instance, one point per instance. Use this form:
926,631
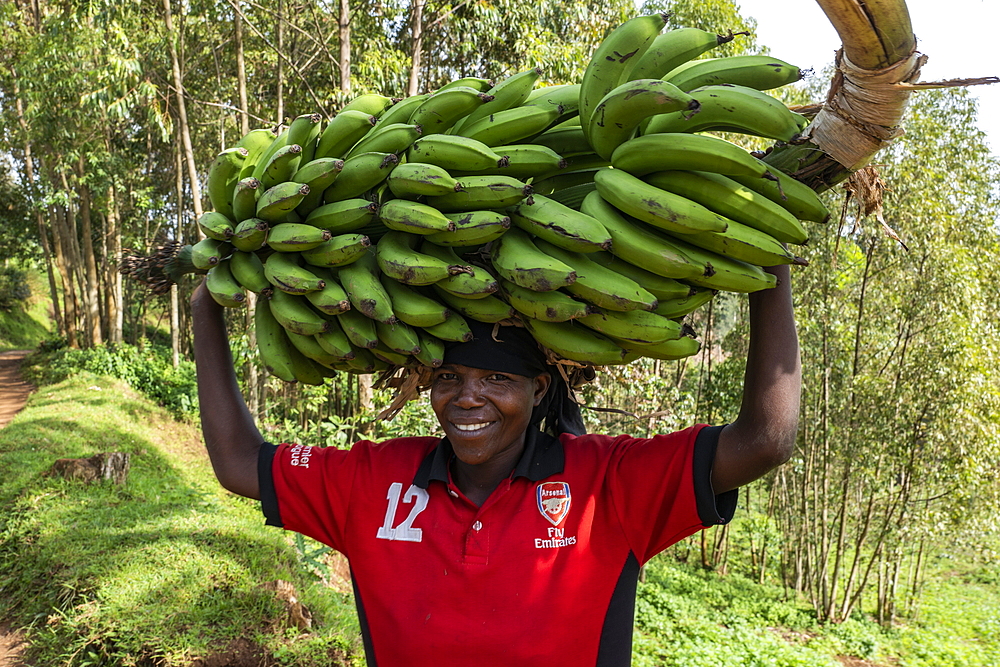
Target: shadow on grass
164,562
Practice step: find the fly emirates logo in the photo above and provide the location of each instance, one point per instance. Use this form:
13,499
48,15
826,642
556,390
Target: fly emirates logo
553,500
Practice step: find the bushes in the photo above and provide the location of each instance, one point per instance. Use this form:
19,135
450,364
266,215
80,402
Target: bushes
13,287
148,369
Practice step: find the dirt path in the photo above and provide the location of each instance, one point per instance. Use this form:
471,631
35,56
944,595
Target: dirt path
13,395
13,390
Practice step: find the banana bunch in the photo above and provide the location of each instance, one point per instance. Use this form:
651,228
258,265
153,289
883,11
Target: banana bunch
596,214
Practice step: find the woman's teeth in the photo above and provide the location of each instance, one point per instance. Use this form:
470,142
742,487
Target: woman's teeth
471,427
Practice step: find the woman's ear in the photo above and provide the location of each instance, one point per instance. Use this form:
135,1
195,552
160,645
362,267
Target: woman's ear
542,384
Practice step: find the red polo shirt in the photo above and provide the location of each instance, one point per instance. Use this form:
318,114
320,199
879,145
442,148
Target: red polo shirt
544,573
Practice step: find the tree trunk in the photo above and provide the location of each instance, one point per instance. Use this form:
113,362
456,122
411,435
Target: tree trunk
417,46
345,46
175,324
175,68
241,72
91,292
43,235
280,89
113,253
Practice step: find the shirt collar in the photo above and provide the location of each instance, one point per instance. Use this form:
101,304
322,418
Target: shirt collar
542,457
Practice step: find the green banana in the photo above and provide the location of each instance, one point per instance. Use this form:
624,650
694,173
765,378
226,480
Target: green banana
674,48
245,199
343,216
792,195
343,131
272,342
223,175
413,307
657,207
563,181
455,328
613,60
560,225
337,250
431,349
488,309
599,285
760,72
281,166
660,287
454,153
472,228
507,94
732,108
248,270
332,298
699,152
358,328
402,111
318,175
399,259
280,201
256,142
732,200
250,235
440,111
511,125
681,306
639,245
524,161
575,342
335,342
311,349
282,270
208,252
727,274
566,96
370,103
394,138
295,313
566,141
482,85
296,237
637,326
360,174
398,337
404,215
304,131
223,286
264,158
417,179
471,282
391,357
216,225
360,279
553,306
482,193
669,350
520,261
617,115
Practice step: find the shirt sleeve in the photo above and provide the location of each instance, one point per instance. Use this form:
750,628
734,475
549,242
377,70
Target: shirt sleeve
662,488
307,489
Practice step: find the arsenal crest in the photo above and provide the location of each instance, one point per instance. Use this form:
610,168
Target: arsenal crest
553,501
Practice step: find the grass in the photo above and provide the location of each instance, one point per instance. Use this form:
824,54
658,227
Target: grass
160,570
28,322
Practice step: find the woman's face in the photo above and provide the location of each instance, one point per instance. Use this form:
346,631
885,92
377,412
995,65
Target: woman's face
485,413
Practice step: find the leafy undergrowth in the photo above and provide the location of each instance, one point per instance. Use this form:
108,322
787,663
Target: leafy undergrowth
24,323
689,617
162,570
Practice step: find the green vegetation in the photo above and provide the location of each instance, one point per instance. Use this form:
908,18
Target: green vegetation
25,320
165,567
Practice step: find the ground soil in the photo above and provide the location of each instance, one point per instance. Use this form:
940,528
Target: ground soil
14,393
